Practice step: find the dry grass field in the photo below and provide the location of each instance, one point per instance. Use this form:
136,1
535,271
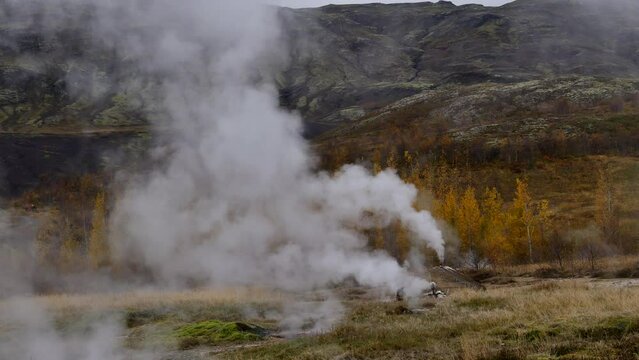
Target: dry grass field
554,319
155,299
525,317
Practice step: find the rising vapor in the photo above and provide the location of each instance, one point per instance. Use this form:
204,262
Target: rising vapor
234,199
237,201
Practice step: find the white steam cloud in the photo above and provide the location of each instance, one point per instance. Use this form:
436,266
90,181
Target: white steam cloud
236,200
34,336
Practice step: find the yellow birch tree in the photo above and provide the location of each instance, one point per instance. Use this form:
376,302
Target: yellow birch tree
69,259
402,241
447,207
607,213
523,214
469,226
493,227
98,246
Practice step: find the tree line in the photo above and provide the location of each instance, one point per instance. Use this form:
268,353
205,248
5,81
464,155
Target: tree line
483,228
73,234
481,225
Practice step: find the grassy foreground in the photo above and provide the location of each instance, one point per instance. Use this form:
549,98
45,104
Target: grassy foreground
528,318
558,319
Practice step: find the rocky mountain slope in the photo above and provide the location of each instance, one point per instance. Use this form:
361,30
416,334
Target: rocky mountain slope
345,61
353,58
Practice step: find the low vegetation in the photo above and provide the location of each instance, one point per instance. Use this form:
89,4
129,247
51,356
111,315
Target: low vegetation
534,172
570,319
526,317
543,319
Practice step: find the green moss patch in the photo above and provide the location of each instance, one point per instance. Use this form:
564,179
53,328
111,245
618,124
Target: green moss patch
213,332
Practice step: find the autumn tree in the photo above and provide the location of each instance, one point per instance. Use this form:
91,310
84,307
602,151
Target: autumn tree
69,258
493,227
543,220
447,207
426,178
469,226
47,237
607,213
391,159
402,242
377,162
98,246
443,179
87,186
560,247
412,172
523,214
335,157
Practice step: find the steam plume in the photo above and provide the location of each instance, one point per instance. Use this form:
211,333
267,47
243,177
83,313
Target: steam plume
237,201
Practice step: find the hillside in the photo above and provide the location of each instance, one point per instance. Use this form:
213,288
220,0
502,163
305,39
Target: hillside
345,61
502,91
355,58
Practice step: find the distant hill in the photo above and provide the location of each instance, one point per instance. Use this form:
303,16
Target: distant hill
350,59
346,61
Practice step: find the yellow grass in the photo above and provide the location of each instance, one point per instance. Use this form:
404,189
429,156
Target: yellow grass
579,317
538,320
145,299
609,264
557,299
